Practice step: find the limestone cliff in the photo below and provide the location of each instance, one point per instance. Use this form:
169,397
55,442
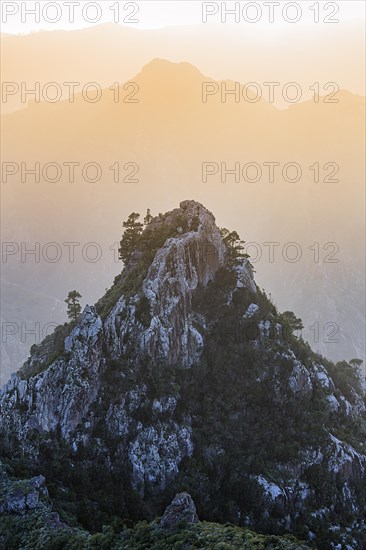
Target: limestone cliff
183,377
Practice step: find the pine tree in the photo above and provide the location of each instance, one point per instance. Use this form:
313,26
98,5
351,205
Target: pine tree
234,246
290,321
356,364
130,237
148,218
73,305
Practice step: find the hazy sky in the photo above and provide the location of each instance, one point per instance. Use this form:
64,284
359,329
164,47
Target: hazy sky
20,16
171,132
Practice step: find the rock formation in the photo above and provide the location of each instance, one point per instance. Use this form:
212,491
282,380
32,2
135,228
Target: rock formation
181,511
183,373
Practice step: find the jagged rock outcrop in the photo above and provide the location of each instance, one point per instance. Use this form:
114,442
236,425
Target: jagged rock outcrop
59,397
21,496
184,262
181,510
184,374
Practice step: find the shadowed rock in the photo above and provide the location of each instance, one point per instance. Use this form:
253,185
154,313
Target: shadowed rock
21,496
182,509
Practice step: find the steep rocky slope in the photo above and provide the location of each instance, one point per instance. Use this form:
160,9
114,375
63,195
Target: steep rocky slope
184,376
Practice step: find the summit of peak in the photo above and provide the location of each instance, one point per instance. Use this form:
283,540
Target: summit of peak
164,70
160,64
193,216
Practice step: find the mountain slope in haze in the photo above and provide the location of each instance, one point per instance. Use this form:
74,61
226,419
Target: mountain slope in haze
185,377
167,136
109,53
26,318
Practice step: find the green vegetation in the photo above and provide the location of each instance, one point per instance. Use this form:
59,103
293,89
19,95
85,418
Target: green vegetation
203,535
130,237
143,313
43,354
347,378
39,530
290,323
146,243
148,218
73,305
52,346
43,529
234,246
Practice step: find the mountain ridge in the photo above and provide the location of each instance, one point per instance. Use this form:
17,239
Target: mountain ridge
160,70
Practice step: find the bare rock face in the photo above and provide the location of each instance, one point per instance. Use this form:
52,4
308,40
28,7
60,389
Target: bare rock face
60,396
185,261
156,452
182,509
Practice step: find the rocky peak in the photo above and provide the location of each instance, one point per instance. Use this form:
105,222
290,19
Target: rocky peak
164,374
195,254
188,259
